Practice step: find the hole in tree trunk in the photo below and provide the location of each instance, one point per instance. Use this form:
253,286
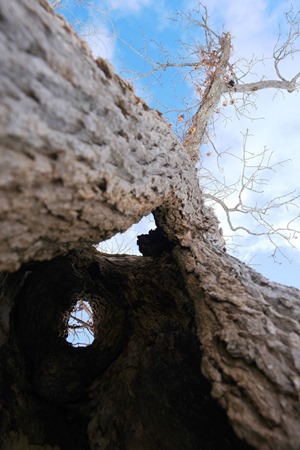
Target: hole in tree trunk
81,323
126,243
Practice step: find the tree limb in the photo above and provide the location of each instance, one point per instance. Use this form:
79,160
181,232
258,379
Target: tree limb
59,158
211,99
289,86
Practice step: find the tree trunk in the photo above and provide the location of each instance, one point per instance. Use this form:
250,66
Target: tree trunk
81,158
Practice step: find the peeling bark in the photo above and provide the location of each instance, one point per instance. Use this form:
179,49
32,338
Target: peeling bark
81,158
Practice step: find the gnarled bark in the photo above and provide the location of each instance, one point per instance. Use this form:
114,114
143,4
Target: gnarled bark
81,158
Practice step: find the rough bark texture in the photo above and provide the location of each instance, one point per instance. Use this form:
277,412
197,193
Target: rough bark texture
81,158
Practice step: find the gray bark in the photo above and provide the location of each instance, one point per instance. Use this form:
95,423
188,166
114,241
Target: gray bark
81,158
210,101
67,178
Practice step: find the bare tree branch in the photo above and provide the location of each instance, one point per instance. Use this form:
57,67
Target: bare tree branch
286,49
289,86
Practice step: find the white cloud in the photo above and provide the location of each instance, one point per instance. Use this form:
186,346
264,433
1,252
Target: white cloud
101,43
129,5
93,24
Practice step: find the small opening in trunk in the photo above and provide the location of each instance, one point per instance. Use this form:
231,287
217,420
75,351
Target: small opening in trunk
126,243
80,324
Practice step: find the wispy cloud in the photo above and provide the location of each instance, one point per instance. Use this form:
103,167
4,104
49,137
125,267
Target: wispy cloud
129,6
101,43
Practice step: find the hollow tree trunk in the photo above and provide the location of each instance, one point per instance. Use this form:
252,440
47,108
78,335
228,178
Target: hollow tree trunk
81,158
137,386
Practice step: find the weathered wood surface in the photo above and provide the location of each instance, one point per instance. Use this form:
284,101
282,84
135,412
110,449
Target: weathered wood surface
81,158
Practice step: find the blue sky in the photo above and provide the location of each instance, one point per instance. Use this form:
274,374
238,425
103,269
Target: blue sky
129,32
